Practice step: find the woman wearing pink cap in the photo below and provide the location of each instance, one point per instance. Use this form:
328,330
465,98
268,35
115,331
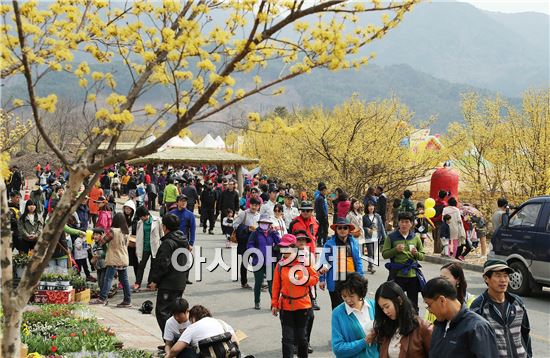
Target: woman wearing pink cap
291,281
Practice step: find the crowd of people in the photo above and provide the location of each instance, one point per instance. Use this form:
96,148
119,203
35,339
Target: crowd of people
284,228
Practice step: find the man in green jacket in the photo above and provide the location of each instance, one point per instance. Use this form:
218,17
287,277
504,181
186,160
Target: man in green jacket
404,249
171,193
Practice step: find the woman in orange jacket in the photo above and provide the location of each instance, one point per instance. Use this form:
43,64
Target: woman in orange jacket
290,296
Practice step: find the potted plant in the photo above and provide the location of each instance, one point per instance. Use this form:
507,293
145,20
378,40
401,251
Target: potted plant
51,280
64,281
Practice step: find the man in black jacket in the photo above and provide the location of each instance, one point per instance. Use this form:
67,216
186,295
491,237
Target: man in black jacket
169,281
229,200
458,332
208,208
381,204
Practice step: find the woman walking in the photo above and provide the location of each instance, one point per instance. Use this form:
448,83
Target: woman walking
397,328
116,260
456,226
352,321
263,239
375,232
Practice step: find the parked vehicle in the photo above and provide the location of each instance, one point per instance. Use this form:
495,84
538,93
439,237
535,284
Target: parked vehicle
524,243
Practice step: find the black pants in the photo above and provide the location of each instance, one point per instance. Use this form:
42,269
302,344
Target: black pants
370,253
83,264
151,201
322,233
309,325
463,250
141,267
293,324
335,298
210,216
163,307
412,287
133,260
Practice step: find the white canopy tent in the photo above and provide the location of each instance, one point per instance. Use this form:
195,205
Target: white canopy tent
220,142
178,142
208,142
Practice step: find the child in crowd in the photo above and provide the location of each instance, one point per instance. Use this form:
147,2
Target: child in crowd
99,250
422,224
445,235
227,226
177,323
80,253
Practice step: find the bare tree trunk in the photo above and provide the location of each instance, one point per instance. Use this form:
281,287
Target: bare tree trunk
12,313
14,301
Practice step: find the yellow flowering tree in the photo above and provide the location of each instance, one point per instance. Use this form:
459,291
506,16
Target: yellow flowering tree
354,145
193,50
501,150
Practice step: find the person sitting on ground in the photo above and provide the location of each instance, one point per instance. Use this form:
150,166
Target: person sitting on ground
176,324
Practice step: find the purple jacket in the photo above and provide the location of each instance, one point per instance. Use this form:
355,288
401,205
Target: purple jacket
259,240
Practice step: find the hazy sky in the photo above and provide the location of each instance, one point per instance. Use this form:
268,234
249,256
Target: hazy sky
512,5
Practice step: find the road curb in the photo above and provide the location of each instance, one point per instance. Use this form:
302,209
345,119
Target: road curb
443,261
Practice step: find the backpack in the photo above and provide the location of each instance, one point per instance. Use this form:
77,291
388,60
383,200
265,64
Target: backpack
219,346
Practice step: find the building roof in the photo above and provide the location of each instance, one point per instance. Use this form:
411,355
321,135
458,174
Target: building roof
194,156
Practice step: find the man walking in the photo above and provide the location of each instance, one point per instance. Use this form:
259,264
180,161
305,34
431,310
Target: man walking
289,210
229,199
192,195
267,207
321,213
458,332
405,249
186,219
382,203
208,207
505,311
169,281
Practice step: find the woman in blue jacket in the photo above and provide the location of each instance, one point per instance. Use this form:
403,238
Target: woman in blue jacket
334,266
352,321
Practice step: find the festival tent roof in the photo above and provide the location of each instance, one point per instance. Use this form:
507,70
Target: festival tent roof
208,142
176,142
188,142
195,156
220,142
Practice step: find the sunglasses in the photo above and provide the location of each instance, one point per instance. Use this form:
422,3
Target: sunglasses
277,210
307,211
342,227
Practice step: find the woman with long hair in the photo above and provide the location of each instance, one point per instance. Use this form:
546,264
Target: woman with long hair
397,328
454,273
30,226
116,260
355,217
375,232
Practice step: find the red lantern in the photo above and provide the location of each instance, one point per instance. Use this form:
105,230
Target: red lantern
445,179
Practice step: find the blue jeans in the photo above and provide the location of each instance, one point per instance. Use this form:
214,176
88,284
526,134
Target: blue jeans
108,281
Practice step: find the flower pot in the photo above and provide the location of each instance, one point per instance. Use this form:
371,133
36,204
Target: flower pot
51,285
66,283
42,285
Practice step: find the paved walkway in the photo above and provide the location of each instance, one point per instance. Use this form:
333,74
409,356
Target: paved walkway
136,330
